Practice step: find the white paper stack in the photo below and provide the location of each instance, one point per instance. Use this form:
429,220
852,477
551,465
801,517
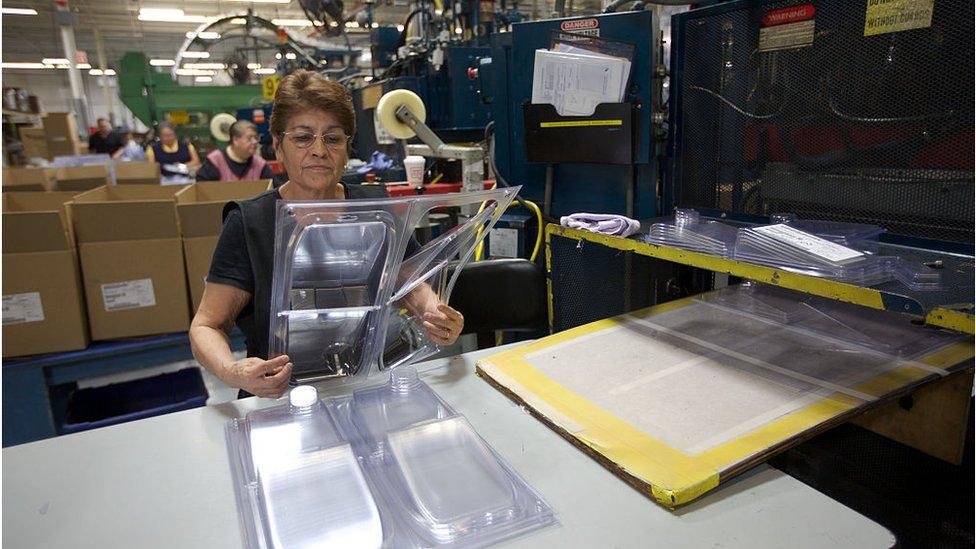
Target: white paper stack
575,83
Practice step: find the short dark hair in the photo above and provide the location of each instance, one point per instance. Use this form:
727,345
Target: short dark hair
303,90
238,128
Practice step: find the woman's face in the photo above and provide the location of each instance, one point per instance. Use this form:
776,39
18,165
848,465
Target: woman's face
318,166
167,136
247,144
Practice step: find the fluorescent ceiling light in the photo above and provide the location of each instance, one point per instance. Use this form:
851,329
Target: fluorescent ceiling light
162,62
205,35
170,15
54,61
82,66
260,1
18,11
193,72
268,70
238,21
203,79
352,25
196,54
206,66
294,22
291,55
24,66
278,55
400,28
253,66
98,72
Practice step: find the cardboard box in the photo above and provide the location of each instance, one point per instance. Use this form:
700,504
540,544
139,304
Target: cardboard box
137,173
34,141
60,146
131,260
60,125
82,178
43,303
200,207
28,179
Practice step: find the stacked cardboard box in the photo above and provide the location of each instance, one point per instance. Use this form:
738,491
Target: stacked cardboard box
137,173
61,132
131,260
82,178
28,179
201,216
43,303
34,141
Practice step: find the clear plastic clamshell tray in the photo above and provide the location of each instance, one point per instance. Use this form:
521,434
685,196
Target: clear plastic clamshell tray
341,284
390,466
387,466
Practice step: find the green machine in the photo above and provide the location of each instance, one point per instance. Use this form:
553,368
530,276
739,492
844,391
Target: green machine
153,96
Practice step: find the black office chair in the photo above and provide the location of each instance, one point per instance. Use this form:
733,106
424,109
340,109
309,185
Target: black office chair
501,294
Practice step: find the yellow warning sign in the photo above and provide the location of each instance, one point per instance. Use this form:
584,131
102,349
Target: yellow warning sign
884,16
178,118
580,123
269,86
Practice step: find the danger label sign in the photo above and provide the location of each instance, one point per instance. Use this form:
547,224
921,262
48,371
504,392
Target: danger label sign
577,25
792,14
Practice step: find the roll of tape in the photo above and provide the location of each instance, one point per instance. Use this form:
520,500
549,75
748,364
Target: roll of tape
386,112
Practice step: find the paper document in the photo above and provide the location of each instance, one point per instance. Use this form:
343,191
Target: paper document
575,83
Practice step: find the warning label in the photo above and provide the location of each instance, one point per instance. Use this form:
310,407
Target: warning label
788,36
22,308
131,294
884,16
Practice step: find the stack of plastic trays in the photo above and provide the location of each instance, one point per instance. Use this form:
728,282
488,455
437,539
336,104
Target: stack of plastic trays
690,232
791,249
764,301
441,484
299,482
840,232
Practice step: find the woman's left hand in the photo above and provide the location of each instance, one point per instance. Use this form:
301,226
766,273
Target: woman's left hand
443,324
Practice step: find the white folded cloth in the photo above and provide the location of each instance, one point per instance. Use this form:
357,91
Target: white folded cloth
612,224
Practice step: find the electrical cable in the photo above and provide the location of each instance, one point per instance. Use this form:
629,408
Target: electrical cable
736,108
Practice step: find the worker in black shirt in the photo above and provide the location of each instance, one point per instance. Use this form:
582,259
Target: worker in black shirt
104,141
311,124
236,162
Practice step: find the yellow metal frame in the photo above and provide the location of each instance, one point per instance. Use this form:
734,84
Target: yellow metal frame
662,472
867,297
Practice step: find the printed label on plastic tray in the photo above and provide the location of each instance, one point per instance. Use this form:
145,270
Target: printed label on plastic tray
807,242
503,242
130,294
22,308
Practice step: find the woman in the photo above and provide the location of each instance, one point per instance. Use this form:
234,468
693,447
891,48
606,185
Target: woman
236,162
311,124
175,156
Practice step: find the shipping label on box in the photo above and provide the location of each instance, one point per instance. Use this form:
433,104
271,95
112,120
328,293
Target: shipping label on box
129,294
22,308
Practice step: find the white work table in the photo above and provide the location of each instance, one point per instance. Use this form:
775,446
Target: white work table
166,482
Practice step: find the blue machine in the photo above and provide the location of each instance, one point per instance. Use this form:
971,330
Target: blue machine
507,85
455,110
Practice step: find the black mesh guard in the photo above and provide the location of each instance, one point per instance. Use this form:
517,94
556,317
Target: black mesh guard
875,129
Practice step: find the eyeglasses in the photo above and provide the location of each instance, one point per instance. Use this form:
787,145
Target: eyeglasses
304,140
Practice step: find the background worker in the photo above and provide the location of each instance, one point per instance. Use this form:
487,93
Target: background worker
104,140
176,157
237,161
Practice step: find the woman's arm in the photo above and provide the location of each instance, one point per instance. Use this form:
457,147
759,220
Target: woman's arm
443,324
194,157
209,339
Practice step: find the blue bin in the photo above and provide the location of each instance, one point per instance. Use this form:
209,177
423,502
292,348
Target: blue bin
141,398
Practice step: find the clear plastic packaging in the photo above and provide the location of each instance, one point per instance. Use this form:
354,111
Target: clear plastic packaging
391,466
841,232
689,231
340,281
791,249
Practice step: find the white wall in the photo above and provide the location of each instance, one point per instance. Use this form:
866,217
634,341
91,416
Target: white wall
54,92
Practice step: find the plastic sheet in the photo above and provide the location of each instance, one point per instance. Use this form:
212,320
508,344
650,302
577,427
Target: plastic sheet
689,231
841,232
391,466
340,282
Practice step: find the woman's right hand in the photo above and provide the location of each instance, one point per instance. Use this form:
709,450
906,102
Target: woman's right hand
263,378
